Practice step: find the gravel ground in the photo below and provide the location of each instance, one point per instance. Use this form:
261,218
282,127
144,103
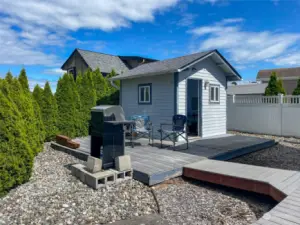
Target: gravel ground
54,196
284,155
189,202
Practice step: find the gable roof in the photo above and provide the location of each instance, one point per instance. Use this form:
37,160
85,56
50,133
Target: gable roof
280,72
102,61
173,65
247,89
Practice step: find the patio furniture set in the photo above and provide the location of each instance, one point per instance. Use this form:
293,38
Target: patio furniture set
142,127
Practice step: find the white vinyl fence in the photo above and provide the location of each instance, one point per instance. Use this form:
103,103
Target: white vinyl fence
275,115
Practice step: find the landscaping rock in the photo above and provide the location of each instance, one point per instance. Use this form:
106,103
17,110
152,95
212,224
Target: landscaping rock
54,196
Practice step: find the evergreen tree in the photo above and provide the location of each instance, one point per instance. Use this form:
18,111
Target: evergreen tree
23,80
272,88
280,87
87,93
101,85
25,104
68,104
38,94
9,77
16,156
112,97
49,112
297,89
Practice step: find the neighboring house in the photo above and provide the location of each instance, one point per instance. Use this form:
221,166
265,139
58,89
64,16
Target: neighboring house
80,60
253,89
289,77
193,85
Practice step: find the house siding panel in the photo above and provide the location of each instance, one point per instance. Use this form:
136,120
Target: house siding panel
162,107
213,115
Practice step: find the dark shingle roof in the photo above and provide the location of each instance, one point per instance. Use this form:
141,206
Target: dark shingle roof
281,72
163,66
103,61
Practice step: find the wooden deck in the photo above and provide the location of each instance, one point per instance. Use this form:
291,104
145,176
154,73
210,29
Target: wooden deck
153,165
282,185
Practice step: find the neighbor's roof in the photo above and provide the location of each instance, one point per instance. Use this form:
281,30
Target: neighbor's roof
102,61
172,65
280,72
247,89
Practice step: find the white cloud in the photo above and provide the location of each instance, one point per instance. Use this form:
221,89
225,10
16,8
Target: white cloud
26,27
54,71
42,83
244,46
187,19
292,59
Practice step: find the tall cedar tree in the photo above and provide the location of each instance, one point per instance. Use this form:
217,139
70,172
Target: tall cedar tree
25,105
68,104
49,112
38,94
101,85
87,93
16,156
280,87
297,89
274,86
23,80
40,129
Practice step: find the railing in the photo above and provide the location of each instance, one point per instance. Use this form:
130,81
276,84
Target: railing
280,99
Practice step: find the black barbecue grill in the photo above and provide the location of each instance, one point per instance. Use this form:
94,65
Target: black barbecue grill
107,129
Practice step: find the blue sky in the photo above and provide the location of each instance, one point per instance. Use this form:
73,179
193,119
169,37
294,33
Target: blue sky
252,35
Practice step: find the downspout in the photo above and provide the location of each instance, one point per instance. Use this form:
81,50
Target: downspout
114,85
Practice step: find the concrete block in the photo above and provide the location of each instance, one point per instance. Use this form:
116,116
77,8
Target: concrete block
123,163
94,164
123,175
77,170
100,179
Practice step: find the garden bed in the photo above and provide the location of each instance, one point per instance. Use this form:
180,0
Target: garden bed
284,155
192,202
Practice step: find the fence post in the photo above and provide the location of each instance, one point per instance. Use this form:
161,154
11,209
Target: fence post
280,98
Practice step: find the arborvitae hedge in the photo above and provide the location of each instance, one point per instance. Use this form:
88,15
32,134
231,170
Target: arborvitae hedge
87,93
68,104
16,155
297,89
38,94
25,105
23,80
49,112
100,85
275,86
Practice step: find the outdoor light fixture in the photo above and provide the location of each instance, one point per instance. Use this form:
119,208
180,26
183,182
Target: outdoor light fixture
206,83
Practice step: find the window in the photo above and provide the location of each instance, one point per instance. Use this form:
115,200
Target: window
145,94
72,71
214,93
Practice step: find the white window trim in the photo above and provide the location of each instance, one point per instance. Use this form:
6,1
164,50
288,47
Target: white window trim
215,86
147,86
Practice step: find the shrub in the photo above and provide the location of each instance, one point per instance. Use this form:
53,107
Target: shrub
68,103
16,156
297,89
274,86
100,85
25,105
48,108
87,93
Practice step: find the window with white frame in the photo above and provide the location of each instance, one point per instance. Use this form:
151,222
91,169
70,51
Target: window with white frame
145,94
214,93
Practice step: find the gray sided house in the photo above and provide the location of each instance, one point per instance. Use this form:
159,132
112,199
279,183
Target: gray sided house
193,85
289,77
252,89
80,60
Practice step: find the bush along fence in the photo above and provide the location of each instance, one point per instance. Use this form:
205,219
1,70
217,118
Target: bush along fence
274,115
29,119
